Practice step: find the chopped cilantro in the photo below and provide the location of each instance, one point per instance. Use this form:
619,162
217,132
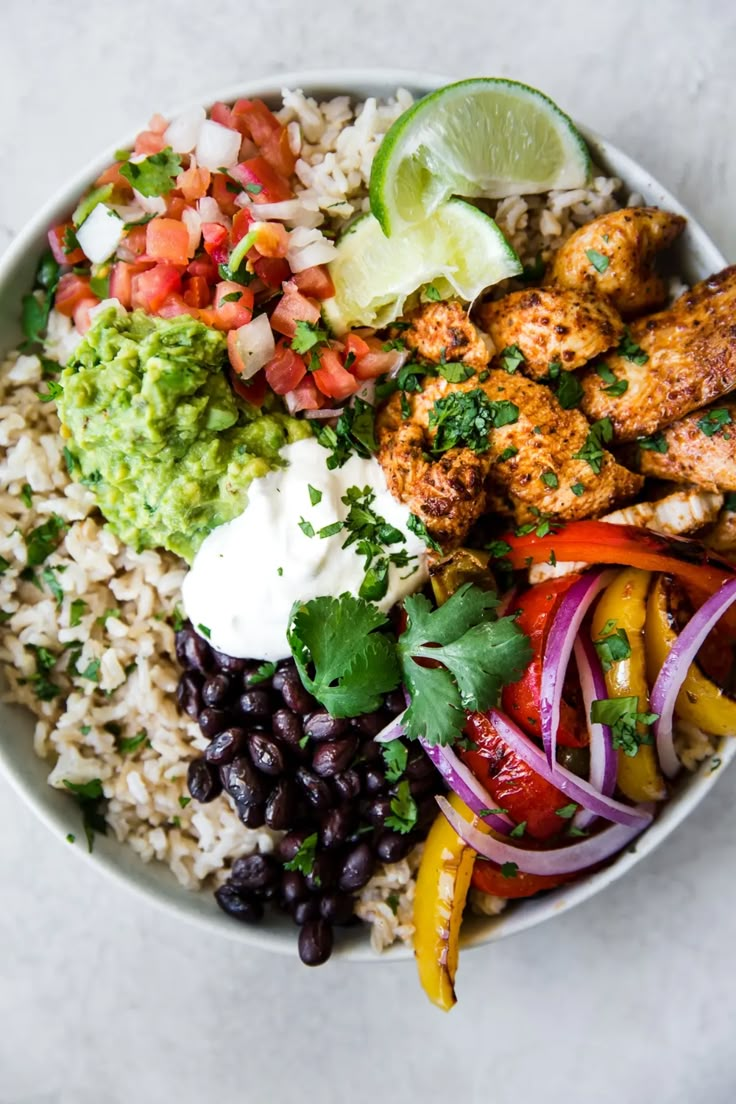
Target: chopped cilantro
330,530
303,860
601,433
100,286
42,540
714,764
612,645
655,443
549,478
48,576
498,548
629,349
315,496
354,432
553,369
393,903
155,175
205,631
304,740
262,674
614,386
26,495
509,870
130,744
574,830
488,812
308,336
53,393
89,797
416,526
518,831
404,811
177,619
714,420
90,791
184,801
577,489
70,837
569,391
76,611
454,372
395,755
567,812
306,527
629,728
508,453
253,188
534,271
599,261
232,297
511,358
431,294
466,418
92,671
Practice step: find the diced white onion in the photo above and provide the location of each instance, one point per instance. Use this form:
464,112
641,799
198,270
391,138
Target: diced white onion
183,133
255,344
209,211
218,146
193,223
100,234
308,248
152,205
293,211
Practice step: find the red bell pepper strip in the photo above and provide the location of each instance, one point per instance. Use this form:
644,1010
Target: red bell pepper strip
487,877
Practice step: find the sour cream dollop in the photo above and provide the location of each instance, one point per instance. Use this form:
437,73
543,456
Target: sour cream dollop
249,572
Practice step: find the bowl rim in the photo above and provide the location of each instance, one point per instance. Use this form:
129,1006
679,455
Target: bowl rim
333,82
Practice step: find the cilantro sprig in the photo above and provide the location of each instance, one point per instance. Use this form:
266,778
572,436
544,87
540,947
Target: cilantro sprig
629,727
466,418
155,175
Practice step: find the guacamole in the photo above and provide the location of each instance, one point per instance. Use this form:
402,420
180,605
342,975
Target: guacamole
154,429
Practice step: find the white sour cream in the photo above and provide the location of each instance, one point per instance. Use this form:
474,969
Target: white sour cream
248,573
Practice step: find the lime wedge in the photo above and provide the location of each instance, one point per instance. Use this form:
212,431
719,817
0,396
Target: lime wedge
481,137
459,250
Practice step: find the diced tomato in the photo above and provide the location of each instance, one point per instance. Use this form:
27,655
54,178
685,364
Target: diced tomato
274,188
233,313
332,379
356,347
278,152
57,236
167,240
121,281
293,307
135,241
225,198
176,205
70,292
285,370
487,877
82,320
112,175
513,784
252,390
222,114
197,292
215,241
193,183
267,133
373,364
242,223
305,396
317,282
151,289
205,267
173,305
148,142
158,124
272,240
273,271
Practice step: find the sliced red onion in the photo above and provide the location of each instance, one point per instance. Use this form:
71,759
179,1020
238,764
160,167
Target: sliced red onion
577,789
561,860
326,412
573,607
675,668
603,758
366,392
393,730
463,782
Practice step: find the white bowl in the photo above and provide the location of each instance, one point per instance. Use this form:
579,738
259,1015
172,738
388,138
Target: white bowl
697,257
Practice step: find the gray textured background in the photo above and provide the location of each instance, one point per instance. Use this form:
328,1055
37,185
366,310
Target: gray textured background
631,998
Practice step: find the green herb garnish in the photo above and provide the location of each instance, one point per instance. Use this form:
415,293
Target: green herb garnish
155,175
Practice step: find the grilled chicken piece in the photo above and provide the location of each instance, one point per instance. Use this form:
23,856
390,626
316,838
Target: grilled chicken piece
613,257
722,537
701,449
676,514
443,332
552,325
530,459
691,349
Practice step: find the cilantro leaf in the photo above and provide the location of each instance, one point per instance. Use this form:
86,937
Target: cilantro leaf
431,294
36,306
629,349
612,645
600,434
76,611
655,443
567,812
42,540
714,420
416,526
48,576
569,391
90,798
614,386
395,756
26,495
454,372
308,336
404,811
599,261
511,358
262,673
509,869
464,419
315,495
352,664
629,728
155,175
549,478
127,745
303,860
354,432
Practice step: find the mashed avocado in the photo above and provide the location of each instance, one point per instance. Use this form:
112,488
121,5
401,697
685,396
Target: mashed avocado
154,429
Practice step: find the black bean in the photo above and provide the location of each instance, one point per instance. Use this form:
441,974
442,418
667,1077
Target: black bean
231,664
321,726
374,781
378,810
216,690
188,693
180,639
195,651
392,846
419,766
239,905
287,726
337,825
255,872
255,705
266,754
289,844
315,942
370,724
371,752
281,805
395,702
252,816
331,758
316,790
284,668
294,694
253,676
225,746
244,784
203,782
325,870
418,787
347,784
338,908
357,867
293,887
306,910
212,721
427,810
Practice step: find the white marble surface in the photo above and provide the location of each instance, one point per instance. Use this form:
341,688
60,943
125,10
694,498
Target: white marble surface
631,998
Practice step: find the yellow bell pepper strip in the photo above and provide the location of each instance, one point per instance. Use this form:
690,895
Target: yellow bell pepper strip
700,701
442,888
624,601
